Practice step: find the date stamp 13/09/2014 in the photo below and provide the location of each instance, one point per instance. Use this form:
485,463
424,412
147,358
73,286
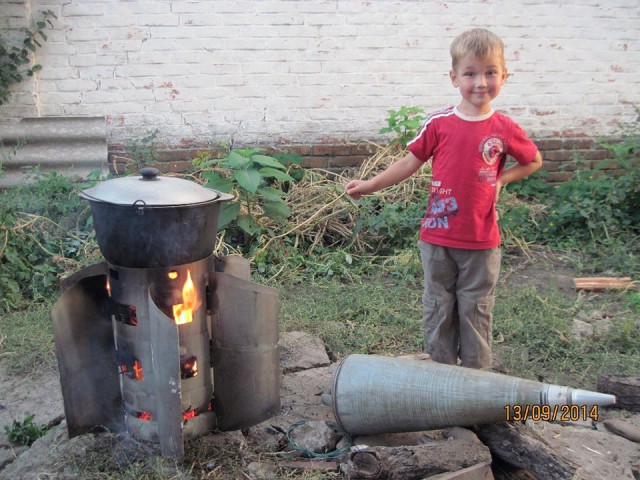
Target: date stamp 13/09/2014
549,413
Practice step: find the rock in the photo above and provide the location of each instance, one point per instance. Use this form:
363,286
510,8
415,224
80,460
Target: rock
581,330
314,436
262,471
301,351
7,455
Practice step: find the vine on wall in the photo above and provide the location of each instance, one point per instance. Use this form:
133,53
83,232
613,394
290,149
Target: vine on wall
14,59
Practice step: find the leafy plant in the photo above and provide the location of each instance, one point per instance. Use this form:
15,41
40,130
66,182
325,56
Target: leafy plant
596,211
394,225
45,229
256,179
14,59
25,432
142,151
405,123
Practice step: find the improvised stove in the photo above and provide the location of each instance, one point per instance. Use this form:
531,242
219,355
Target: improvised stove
163,340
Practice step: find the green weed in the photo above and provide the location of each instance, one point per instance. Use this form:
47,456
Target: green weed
45,229
405,123
25,432
142,152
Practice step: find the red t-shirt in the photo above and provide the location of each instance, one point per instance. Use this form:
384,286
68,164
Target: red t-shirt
468,154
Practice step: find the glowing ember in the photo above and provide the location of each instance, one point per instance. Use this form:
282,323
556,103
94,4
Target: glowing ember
137,369
189,414
108,288
183,312
144,416
189,367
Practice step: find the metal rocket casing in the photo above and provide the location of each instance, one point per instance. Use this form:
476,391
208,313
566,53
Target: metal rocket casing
374,394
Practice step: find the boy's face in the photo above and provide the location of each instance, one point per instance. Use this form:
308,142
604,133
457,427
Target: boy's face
479,81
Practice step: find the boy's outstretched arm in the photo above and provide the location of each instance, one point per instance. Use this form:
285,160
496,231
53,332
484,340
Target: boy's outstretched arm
395,173
517,172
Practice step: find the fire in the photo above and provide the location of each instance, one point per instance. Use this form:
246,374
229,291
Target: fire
189,414
188,367
136,371
108,288
144,416
183,312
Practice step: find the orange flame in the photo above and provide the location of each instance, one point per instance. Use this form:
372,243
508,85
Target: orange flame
108,288
137,369
183,312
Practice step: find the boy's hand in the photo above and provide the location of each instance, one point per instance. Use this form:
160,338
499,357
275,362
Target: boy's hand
356,189
498,188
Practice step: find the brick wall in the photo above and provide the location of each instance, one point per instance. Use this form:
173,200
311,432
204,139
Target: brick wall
321,75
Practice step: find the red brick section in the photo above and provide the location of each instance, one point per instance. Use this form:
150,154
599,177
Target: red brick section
559,156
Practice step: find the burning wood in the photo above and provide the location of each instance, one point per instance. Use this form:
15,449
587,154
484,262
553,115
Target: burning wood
188,367
183,312
189,414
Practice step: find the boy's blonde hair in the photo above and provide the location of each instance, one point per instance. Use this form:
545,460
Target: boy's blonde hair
478,42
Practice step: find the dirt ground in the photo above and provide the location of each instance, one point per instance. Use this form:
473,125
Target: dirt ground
307,371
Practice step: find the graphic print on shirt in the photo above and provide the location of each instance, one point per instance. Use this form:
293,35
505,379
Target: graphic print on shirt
441,206
492,148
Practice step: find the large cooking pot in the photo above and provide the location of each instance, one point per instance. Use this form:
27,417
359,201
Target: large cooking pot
150,221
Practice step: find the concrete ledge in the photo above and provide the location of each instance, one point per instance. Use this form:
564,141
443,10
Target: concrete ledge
71,146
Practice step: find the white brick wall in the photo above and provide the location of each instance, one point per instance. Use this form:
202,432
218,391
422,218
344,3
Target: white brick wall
312,71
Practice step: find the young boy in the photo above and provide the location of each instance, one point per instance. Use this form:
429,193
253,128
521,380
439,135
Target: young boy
459,236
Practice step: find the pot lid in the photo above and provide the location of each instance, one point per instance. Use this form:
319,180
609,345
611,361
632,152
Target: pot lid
152,190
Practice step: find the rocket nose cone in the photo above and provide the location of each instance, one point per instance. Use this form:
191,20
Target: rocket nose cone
585,397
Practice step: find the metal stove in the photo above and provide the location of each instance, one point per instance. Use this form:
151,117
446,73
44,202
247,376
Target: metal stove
160,351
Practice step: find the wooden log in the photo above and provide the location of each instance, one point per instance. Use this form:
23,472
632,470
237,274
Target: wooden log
626,390
623,429
516,445
414,462
598,284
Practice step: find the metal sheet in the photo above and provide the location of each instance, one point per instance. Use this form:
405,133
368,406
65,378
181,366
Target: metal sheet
245,352
71,146
88,372
165,354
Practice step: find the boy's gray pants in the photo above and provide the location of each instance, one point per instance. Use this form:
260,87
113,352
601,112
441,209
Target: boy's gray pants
458,303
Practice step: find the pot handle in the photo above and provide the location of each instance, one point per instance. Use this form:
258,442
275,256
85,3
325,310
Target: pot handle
141,206
149,173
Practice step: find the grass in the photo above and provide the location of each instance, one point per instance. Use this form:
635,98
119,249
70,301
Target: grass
372,315
382,314
535,338
26,340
